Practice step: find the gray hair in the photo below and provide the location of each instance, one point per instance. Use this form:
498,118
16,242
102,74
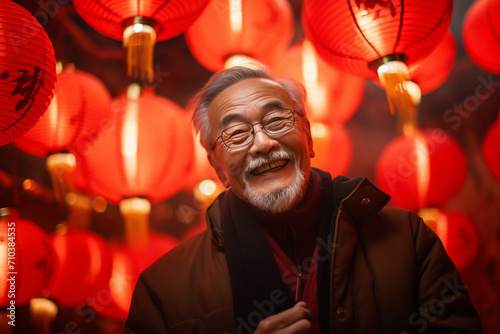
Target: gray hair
225,78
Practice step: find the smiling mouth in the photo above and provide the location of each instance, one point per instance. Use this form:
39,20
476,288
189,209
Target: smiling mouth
275,165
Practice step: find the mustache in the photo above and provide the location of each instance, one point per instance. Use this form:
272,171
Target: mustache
270,157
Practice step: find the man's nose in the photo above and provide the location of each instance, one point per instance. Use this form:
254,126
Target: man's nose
262,141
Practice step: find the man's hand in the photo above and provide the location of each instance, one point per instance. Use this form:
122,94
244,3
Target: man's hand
294,320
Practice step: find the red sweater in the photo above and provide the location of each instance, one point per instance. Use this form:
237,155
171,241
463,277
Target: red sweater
293,240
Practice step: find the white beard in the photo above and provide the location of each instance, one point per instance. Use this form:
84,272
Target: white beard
280,200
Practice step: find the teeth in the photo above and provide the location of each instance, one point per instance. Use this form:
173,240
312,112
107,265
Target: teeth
272,165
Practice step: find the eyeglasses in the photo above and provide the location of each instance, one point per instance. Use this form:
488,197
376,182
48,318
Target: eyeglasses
242,134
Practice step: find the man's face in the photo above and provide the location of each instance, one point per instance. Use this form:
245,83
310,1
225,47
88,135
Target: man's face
270,163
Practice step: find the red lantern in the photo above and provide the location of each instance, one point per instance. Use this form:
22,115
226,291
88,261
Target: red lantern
491,153
432,71
78,114
333,96
140,23
481,29
128,264
332,148
415,170
27,261
378,38
359,35
258,29
146,153
458,233
84,266
27,71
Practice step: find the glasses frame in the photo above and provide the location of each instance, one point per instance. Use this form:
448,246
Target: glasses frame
253,129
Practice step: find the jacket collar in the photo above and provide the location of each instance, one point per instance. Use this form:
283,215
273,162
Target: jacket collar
359,198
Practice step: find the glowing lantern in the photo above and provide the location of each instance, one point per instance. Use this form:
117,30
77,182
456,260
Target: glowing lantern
76,117
128,264
415,170
140,23
27,71
84,266
147,153
457,232
333,96
31,263
491,154
378,38
259,29
480,31
333,148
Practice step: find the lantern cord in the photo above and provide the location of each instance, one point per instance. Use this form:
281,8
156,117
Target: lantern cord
403,95
140,39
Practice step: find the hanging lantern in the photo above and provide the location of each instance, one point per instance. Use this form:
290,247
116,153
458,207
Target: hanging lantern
27,71
458,233
491,154
77,116
140,23
333,96
146,153
415,170
128,263
240,30
378,39
27,269
332,148
84,266
480,34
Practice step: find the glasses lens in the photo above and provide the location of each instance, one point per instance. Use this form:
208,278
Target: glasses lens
237,135
278,121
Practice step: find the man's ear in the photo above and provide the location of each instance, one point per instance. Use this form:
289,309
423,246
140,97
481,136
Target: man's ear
216,165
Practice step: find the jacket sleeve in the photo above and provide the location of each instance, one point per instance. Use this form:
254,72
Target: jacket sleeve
145,315
444,304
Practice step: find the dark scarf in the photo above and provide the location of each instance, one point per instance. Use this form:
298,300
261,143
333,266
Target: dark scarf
257,286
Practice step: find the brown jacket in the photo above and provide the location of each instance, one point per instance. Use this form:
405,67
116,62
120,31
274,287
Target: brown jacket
390,274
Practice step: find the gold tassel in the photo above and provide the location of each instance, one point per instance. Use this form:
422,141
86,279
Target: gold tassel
61,167
43,312
135,212
140,39
403,95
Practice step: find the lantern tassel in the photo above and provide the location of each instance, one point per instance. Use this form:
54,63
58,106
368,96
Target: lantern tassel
43,312
403,95
135,212
140,39
61,167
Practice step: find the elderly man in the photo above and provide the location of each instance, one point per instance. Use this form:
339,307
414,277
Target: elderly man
288,249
